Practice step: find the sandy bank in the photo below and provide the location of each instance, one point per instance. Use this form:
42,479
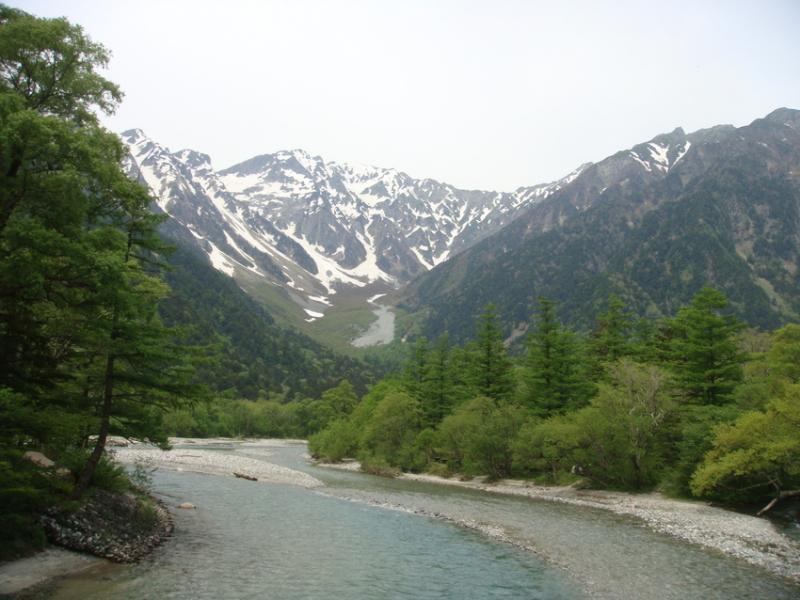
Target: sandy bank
212,462
753,539
25,573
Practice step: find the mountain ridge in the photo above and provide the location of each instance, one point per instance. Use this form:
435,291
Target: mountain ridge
652,223
313,227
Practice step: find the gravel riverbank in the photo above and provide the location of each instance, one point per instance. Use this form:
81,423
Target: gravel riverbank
211,462
753,539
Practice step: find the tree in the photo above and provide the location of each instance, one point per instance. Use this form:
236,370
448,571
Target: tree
48,84
704,354
437,384
757,457
140,368
555,383
491,371
80,338
414,372
342,398
610,340
392,429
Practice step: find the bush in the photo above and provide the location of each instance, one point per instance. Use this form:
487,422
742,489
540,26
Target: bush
107,476
547,447
339,440
392,429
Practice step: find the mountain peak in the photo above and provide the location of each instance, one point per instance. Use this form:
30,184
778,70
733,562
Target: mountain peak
133,136
785,116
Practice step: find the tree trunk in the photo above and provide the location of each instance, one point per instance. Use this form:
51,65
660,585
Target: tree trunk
776,499
9,203
90,467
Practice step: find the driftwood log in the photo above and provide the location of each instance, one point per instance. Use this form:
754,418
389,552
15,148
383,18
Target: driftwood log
778,498
243,476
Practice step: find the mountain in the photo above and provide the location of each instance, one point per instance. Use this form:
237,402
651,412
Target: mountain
652,224
290,224
253,354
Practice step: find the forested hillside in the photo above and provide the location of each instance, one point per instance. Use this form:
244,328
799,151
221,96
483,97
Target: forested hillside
691,405
250,355
652,225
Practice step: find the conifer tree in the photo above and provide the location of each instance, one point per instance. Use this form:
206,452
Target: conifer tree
610,340
704,351
555,383
414,372
437,385
491,370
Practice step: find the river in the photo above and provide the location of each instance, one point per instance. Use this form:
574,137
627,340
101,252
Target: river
358,537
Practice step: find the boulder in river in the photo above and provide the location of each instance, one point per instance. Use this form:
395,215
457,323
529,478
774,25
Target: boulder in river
187,505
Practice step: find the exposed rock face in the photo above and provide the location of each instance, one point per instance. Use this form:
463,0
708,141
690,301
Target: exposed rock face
120,527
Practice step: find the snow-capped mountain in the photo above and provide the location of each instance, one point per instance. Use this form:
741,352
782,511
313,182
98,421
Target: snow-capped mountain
314,227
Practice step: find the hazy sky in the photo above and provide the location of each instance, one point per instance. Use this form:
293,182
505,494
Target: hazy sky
491,95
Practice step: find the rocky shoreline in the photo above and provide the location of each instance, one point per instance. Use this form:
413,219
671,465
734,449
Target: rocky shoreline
119,527
107,527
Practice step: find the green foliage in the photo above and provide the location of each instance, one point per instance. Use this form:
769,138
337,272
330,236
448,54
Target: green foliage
247,353
624,427
491,368
108,475
661,421
692,434
757,457
82,347
24,492
52,65
704,351
555,381
476,438
611,338
547,447
337,441
392,430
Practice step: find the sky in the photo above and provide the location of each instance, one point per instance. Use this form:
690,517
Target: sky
485,95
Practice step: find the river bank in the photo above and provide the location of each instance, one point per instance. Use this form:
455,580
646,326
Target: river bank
211,462
752,539
25,573
232,546
107,528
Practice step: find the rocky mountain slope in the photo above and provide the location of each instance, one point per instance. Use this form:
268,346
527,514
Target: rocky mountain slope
652,224
311,228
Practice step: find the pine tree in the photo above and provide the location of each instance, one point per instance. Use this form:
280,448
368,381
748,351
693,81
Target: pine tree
555,382
140,371
414,372
610,340
491,371
704,352
437,395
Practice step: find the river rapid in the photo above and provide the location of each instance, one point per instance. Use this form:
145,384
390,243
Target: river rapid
358,536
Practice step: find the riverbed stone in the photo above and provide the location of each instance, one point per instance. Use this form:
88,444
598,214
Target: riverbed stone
39,459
